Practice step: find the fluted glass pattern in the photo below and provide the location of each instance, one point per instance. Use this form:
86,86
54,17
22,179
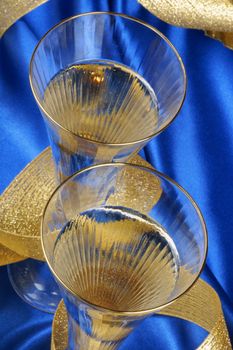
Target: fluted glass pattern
120,251
105,84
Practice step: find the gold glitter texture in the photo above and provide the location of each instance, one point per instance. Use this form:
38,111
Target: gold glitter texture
225,37
23,202
213,16
21,208
200,305
7,256
11,10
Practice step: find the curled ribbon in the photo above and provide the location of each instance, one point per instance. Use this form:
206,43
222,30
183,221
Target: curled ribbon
200,305
22,203
11,10
21,208
215,17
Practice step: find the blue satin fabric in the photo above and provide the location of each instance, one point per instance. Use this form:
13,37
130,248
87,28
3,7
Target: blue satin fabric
196,150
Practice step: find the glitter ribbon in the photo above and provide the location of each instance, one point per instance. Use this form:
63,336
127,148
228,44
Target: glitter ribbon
200,305
12,10
22,204
21,207
215,17
20,215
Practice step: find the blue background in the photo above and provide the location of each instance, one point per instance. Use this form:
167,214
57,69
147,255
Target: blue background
196,150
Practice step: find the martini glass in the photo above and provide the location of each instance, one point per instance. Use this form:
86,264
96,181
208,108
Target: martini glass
106,84
120,253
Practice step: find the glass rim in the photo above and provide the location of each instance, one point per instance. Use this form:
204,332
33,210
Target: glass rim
164,177
133,19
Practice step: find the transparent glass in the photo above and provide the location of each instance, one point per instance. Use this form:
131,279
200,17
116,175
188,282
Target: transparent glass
105,84
102,114
120,251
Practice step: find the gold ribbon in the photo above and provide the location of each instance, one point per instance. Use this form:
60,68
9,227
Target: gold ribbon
7,256
200,305
11,10
21,207
28,193
225,37
215,17
22,204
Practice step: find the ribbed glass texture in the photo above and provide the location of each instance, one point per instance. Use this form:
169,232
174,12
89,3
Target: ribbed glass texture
105,84
120,250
